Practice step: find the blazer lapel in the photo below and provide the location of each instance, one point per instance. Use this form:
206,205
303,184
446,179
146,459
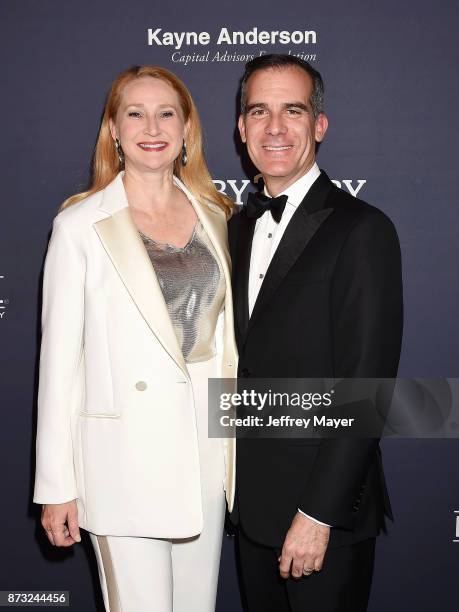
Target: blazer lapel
307,219
125,247
241,275
123,244
127,252
216,229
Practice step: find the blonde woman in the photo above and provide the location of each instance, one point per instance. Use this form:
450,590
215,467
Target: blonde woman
136,284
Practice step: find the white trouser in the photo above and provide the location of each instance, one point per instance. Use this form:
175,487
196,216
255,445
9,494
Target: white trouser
142,574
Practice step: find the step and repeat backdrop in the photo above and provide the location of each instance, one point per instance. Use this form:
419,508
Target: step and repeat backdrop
390,72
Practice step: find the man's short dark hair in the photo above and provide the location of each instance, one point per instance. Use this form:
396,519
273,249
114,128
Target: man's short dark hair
278,60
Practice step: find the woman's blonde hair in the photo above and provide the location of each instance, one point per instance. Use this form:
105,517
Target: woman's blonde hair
195,174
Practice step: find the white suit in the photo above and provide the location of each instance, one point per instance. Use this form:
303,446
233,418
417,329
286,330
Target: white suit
116,419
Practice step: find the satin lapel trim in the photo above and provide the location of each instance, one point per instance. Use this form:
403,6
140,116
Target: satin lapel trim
242,269
127,252
216,230
298,234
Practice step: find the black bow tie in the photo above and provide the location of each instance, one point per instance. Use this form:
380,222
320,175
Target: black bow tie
258,204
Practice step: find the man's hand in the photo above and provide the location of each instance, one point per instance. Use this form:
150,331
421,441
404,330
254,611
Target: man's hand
54,518
304,547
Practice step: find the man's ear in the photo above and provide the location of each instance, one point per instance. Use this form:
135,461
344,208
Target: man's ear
241,126
320,127
112,127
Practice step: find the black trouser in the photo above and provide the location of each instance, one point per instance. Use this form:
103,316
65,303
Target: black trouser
343,584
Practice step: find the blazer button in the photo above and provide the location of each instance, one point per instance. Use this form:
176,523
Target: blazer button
141,385
245,373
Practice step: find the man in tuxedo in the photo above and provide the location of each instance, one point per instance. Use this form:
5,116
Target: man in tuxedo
318,293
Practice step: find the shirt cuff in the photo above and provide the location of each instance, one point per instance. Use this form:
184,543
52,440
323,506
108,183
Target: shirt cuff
313,519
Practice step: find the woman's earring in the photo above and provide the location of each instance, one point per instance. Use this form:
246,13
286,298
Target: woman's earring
119,150
184,155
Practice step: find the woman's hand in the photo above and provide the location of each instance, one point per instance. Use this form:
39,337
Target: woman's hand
60,521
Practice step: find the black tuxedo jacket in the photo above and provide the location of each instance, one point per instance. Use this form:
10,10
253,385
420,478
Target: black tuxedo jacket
330,306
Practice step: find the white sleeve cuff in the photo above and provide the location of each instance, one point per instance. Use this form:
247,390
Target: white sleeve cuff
313,519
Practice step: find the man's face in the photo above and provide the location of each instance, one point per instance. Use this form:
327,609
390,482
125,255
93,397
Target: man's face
278,126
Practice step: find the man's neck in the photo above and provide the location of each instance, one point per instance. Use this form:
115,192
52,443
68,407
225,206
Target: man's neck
275,185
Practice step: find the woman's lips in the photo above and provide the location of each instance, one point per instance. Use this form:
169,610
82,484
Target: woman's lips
153,146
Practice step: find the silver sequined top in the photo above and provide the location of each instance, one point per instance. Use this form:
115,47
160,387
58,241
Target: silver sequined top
193,285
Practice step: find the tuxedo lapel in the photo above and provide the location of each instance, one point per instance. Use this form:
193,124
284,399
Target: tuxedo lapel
241,276
307,219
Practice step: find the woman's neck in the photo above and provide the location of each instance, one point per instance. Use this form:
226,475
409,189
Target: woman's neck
149,191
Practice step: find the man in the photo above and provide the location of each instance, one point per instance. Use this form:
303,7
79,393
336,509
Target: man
318,293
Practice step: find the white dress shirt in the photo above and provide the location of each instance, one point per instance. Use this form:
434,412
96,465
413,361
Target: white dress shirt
268,233
267,236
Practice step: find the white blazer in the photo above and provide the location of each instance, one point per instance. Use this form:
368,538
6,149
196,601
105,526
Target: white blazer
116,420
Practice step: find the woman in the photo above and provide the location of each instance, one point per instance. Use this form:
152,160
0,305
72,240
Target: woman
136,276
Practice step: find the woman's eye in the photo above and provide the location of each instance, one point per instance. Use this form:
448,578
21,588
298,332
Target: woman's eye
167,114
134,114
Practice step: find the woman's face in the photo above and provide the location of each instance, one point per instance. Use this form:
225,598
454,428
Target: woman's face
150,125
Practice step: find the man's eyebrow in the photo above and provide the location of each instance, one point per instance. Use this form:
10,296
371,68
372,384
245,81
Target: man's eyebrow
250,107
301,105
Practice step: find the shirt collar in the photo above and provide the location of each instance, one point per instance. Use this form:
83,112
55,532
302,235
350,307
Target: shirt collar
297,190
